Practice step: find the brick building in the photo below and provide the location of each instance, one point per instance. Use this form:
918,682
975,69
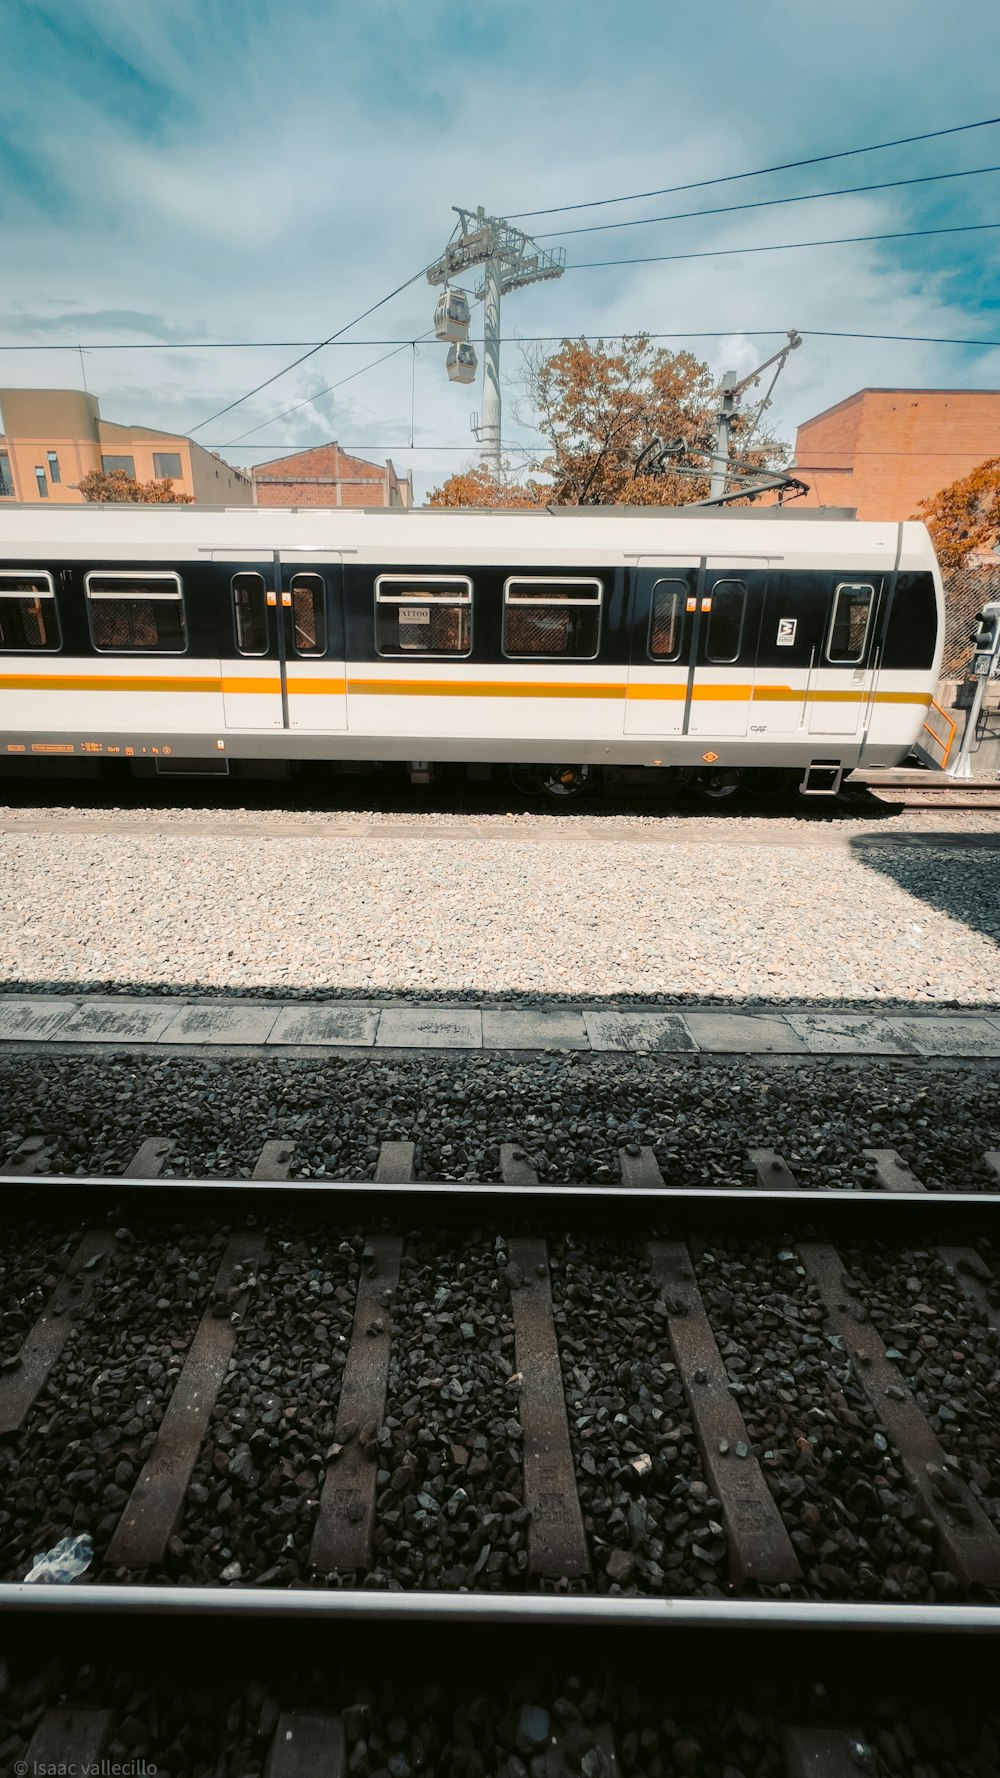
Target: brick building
50,438
883,451
328,476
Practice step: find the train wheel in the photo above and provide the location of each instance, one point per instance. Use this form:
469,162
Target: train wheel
525,780
719,786
564,781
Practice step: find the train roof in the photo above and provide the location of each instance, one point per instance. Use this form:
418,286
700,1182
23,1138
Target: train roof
598,535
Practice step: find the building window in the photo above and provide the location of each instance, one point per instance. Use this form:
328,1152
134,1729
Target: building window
852,609
725,623
42,480
250,613
167,465
6,479
28,616
666,618
53,463
544,614
414,615
136,613
111,464
308,614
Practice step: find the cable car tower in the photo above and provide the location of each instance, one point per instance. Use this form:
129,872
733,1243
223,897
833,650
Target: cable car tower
511,260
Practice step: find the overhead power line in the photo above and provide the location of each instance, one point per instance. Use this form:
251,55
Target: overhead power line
806,197
811,160
913,234
530,339
311,353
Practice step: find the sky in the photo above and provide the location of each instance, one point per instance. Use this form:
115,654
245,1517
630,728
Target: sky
197,174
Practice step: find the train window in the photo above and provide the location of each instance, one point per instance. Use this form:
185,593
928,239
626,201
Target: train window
666,619
546,614
28,616
725,623
852,610
423,615
308,614
136,613
250,613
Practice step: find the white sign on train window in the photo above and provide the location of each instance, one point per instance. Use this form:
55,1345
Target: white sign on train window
414,614
786,631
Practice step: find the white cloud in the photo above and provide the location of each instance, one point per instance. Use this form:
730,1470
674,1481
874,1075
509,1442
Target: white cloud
267,172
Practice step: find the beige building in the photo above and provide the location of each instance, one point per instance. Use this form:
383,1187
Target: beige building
51,438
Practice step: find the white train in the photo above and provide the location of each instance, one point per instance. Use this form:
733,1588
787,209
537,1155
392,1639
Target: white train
702,642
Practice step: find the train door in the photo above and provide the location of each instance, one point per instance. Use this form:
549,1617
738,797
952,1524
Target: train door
789,646
846,668
724,649
282,642
662,624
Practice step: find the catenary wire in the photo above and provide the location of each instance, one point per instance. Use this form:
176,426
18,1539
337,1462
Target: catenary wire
310,354
913,234
521,339
406,346
812,160
806,197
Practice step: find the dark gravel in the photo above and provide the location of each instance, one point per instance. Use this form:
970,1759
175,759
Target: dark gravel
945,1352
201,1719
449,1503
652,1523
844,1501
571,1113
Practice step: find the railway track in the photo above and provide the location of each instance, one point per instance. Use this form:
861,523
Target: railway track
416,1400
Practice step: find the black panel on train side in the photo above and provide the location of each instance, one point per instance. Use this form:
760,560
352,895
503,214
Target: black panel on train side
487,609
913,621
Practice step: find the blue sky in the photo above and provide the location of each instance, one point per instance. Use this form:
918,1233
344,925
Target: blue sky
265,172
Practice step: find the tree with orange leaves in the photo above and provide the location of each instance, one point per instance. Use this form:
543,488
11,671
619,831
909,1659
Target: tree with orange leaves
964,518
598,411
119,489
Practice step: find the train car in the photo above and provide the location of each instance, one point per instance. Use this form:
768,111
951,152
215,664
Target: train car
699,643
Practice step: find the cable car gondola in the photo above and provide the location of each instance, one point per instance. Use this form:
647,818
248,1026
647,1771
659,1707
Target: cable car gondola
462,362
452,315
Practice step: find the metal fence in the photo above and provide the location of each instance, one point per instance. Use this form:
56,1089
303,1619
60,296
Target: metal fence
966,591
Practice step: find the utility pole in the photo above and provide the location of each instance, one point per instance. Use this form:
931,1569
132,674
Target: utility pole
731,392
510,260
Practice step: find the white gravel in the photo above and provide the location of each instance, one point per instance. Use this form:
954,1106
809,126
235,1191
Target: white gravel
501,906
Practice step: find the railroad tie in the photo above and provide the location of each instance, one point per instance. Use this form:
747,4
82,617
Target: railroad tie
970,1543
68,1741
640,1172
149,1159
557,1543
275,1160
760,1548
772,1174
21,1386
307,1746
345,1525
822,1750
891,1172
155,1506
30,1157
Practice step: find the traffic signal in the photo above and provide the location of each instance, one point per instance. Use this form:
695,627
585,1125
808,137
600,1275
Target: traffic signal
986,640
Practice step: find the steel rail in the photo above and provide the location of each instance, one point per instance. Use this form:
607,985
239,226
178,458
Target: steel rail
499,1608
463,1189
